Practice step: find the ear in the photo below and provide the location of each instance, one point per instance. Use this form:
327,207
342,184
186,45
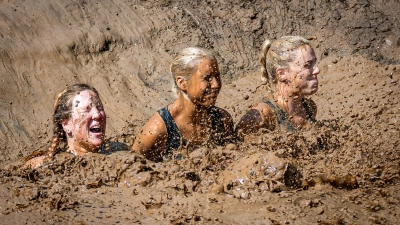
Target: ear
67,126
282,75
181,83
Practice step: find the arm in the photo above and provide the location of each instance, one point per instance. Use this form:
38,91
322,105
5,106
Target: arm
34,162
151,141
259,116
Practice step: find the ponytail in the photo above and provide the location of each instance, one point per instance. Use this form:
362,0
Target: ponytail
263,56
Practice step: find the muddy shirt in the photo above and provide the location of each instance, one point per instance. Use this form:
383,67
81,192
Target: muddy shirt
282,118
175,138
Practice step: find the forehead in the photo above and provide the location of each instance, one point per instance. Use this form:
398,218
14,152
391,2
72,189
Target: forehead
304,53
207,66
84,98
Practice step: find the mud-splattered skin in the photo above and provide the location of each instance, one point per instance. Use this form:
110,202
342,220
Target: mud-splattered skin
189,112
294,83
203,87
110,43
302,73
86,126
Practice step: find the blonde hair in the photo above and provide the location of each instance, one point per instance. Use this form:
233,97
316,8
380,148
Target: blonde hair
185,63
277,54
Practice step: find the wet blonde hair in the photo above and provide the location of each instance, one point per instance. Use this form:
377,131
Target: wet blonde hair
62,111
277,54
185,63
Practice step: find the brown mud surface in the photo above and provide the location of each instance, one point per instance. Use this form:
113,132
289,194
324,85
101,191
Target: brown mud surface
343,171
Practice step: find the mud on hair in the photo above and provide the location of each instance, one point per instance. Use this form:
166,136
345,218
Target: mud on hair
185,63
62,111
277,54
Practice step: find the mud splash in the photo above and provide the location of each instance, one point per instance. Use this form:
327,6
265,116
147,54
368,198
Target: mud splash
272,177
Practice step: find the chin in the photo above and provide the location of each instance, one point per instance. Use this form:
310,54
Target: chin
207,104
313,89
310,93
96,143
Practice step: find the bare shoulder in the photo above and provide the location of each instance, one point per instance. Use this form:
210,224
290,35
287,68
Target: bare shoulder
152,137
267,115
34,162
153,130
264,109
156,123
259,116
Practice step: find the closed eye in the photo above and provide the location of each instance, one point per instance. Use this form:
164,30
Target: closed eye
310,64
207,77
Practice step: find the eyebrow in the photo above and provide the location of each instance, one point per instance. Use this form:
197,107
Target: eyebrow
92,103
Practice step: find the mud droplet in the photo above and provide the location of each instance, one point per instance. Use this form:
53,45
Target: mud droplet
311,38
230,147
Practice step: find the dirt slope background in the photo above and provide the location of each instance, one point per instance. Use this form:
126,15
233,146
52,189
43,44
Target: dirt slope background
124,48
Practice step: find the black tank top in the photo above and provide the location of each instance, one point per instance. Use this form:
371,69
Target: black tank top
174,137
282,117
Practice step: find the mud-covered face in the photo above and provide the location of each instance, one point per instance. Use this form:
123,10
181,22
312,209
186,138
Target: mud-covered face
204,84
87,123
303,71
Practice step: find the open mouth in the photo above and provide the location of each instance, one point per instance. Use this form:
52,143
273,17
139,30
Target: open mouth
95,129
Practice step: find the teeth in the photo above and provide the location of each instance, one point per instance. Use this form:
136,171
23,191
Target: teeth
95,128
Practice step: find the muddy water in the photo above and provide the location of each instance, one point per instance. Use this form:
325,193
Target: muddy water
345,170
327,175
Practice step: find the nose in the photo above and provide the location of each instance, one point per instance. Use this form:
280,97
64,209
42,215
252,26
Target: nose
316,70
96,113
215,83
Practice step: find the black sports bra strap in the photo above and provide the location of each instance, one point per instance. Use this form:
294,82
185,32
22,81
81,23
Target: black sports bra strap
174,137
173,134
217,124
281,116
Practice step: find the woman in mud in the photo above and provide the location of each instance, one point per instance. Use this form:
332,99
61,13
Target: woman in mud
288,66
79,122
192,119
